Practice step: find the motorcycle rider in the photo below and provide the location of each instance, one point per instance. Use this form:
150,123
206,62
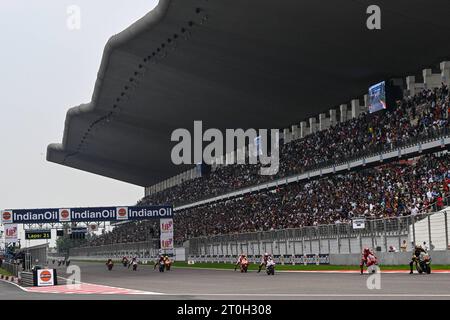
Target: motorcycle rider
109,264
239,261
160,263
134,263
264,260
415,257
364,257
167,262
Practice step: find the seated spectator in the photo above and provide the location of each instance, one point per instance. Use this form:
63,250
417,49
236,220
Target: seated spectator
404,246
415,118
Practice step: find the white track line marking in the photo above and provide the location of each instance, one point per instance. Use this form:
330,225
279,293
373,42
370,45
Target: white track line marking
308,295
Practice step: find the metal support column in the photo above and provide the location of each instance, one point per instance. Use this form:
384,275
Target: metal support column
447,244
429,232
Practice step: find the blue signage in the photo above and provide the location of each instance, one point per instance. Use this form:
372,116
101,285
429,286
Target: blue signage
25,216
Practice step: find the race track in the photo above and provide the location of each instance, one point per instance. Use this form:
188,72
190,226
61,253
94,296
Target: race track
181,283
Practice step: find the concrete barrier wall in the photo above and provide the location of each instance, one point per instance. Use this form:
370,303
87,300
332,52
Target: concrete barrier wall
180,255
390,258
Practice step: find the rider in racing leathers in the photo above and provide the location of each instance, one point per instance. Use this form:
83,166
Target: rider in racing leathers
160,262
365,254
239,261
417,251
264,260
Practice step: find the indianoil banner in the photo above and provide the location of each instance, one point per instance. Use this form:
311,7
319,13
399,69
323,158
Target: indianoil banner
25,216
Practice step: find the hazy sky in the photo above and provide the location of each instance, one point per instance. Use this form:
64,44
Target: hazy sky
45,69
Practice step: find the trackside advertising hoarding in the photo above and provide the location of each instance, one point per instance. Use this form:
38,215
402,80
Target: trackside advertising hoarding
58,215
166,230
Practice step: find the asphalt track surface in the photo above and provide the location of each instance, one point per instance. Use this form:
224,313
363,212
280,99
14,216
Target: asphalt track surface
188,284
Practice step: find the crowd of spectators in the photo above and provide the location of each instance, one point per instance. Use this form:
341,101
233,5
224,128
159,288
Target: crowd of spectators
406,187
126,233
422,116
391,190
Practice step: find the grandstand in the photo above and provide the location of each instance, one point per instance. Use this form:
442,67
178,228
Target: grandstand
189,60
401,190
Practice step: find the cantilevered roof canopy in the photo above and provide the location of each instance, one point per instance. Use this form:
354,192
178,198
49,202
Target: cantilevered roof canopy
238,64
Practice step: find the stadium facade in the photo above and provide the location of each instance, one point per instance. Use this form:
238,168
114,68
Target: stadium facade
233,66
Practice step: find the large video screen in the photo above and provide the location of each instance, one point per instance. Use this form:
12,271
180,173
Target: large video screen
377,97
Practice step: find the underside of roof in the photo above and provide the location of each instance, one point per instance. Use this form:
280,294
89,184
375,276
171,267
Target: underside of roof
238,64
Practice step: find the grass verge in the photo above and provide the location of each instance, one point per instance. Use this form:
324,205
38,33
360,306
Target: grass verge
5,273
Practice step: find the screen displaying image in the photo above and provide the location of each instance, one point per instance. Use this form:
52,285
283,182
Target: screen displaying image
377,97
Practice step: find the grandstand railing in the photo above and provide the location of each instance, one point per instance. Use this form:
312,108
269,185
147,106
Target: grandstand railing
144,249
380,234
433,140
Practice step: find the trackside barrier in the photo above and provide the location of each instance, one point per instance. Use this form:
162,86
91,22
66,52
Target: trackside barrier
279,259
439,257
26,279
383,235
9,278
38,278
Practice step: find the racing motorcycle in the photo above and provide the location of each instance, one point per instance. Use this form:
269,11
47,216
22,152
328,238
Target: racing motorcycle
162,266
244,265
372,263
109,265
270,267
135,266
167,264
423,263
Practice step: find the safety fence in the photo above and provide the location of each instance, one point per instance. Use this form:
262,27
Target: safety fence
144,250
12,267
384,235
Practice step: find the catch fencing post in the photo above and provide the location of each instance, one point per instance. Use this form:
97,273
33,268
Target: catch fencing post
286,241
329,236
349,238
399,221
385,236
360,240
429,232
372,232
413,230
303,242
318,235
446,231
338,241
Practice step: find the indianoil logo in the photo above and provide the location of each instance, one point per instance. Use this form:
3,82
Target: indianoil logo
46,276
64,215
7,216
122,213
